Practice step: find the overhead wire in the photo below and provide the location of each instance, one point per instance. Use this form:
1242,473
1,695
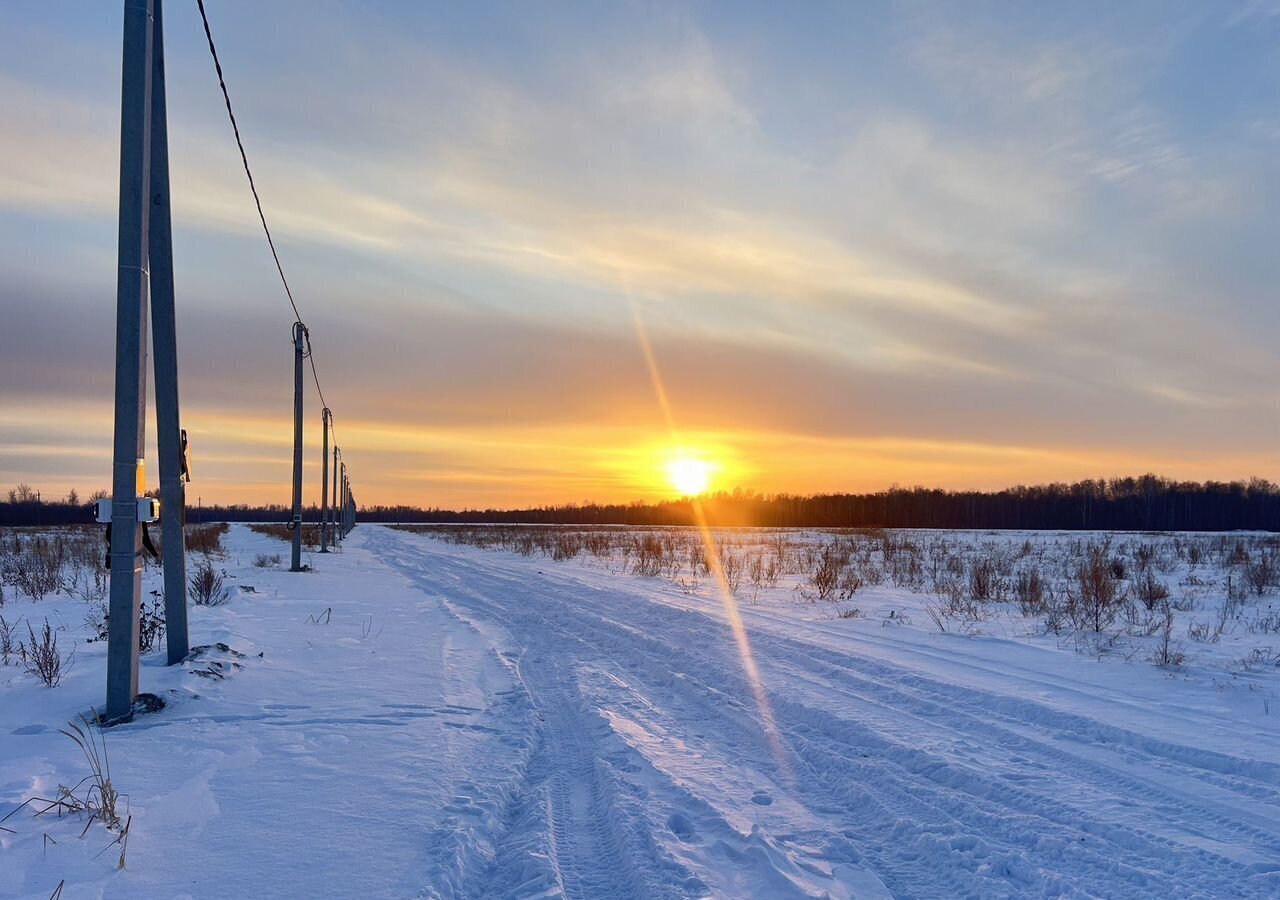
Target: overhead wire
257,200
253,187
244,158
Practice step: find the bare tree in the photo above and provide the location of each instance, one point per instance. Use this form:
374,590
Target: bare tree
73,497
24,493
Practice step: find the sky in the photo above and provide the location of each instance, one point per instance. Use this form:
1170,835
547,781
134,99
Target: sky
546,251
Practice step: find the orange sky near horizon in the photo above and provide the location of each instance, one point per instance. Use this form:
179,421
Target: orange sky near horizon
248,459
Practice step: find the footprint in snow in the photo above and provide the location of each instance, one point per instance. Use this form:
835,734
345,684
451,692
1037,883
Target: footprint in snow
760,798
682,827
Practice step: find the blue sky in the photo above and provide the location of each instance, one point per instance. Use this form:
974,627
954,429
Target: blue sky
966,244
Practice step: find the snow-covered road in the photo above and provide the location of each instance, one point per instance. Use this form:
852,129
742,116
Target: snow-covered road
429,720
903,772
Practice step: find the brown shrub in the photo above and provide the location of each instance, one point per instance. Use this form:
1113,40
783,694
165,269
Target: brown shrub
282,532
206,539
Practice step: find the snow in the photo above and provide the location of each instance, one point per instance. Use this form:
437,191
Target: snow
475,723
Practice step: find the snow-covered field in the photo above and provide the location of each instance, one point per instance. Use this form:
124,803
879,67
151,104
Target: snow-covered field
418,718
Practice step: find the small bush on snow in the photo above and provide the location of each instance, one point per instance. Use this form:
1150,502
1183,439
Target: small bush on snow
42,658
207,585
8,645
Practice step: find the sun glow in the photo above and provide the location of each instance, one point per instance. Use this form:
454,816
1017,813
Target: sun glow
689,475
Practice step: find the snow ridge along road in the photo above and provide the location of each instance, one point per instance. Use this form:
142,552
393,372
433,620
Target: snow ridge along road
908,774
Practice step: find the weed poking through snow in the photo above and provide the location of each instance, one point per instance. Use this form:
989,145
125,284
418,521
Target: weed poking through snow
42,658
94,795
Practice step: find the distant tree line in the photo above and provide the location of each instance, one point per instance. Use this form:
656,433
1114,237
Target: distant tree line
1123,504
1148,502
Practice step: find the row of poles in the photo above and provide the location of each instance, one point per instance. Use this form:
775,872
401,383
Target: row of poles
145,284
336,518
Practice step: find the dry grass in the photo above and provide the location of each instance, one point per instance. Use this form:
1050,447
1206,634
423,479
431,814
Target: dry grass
207,539
94,796
8,642
1095,592
282,532
40,562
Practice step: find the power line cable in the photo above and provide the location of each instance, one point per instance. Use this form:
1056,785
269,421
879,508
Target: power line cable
244,159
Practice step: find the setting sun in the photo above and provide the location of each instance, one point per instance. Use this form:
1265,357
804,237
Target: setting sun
690,476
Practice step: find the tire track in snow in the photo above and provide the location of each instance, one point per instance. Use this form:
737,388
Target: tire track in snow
1249,777
563,830
934,715
588,850
1236,784
890,785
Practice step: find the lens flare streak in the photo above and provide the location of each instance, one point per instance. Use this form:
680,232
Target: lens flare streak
733,617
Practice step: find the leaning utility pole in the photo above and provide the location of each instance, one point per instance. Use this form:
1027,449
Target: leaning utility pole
326,418
144,187
299,338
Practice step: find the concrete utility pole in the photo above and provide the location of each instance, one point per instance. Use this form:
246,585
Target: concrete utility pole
127,480
299,339
144,192
337,532
326,418
164,339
